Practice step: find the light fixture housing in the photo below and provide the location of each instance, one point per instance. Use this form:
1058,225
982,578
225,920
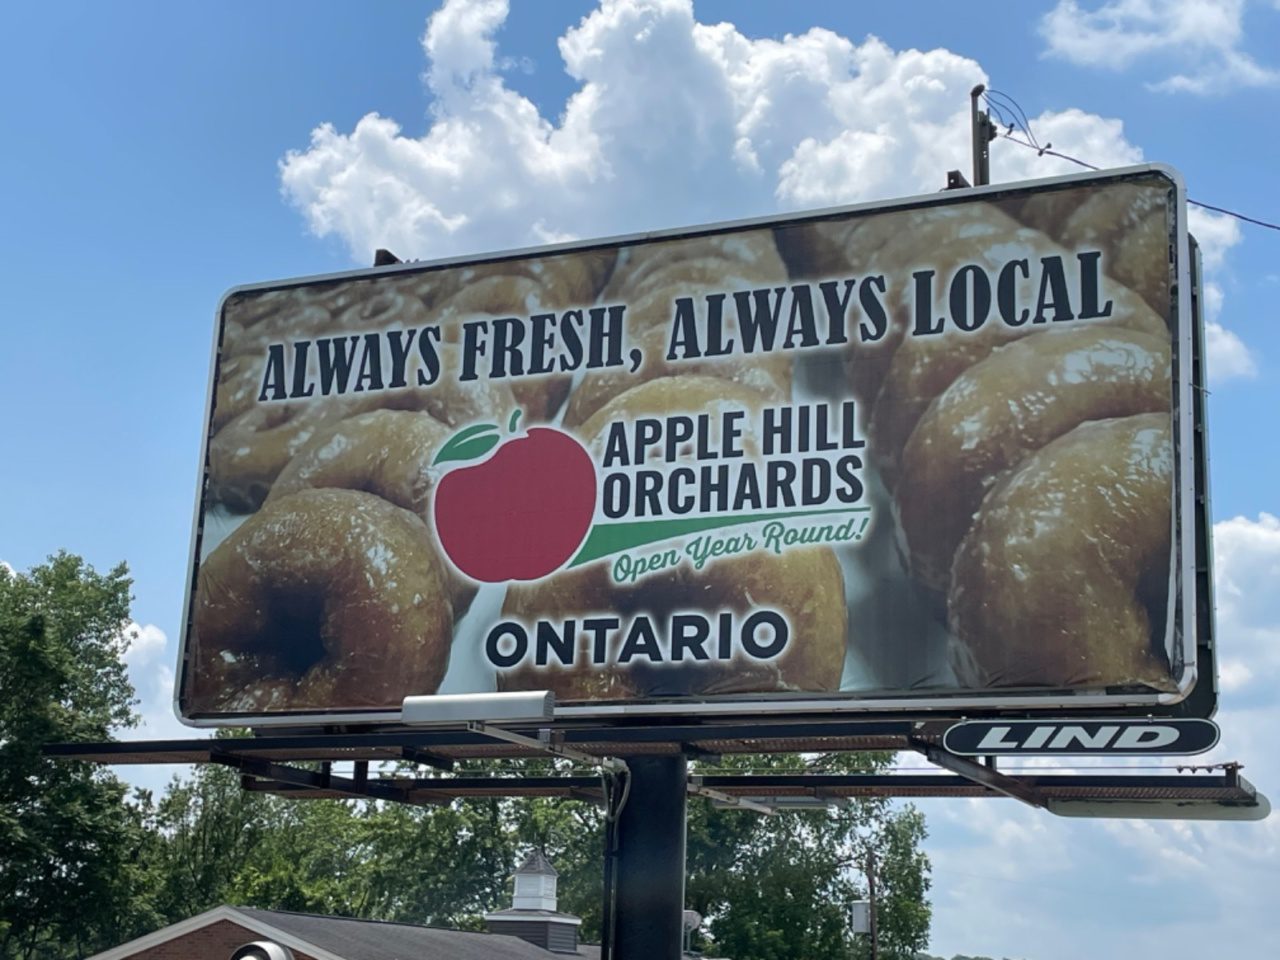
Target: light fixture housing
453,709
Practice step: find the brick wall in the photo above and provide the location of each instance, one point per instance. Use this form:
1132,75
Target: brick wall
216,941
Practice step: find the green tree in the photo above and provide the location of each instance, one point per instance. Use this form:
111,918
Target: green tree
83,865
441,864
205,831
780,886
444,865
313,857
72,878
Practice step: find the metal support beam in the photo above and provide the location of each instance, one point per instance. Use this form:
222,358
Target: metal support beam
648,908
986,776
312,779
418,755
698,789
543,742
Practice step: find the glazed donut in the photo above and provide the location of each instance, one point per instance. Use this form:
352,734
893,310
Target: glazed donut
753,255
918,369
251,307
253,321
326,598
489,297
382,305
655,305
806,583
248,453
239,379
522,288
1006,407
951,418
892,248
649,279
1123,218
386,452
1089,511
768,374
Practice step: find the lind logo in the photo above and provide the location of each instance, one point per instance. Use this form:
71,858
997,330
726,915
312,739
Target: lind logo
681,489
1078,737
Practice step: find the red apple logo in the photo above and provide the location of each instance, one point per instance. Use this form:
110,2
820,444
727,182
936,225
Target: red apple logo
520,514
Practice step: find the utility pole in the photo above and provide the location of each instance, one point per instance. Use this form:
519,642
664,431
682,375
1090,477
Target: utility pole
983,132
871,896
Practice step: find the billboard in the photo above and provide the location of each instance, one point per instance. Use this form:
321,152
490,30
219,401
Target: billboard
910,456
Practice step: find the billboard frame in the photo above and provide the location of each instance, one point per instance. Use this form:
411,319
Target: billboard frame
1186,544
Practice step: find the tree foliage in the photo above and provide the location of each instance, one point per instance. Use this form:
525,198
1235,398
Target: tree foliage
205,832
72,874
781,886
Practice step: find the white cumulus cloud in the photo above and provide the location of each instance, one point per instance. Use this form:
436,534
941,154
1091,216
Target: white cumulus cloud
1216,233
144,642
1203,37
1226,355
672,122
149,658
1246,570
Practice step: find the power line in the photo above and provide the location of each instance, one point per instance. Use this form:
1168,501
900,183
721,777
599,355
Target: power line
1238,216
1031,143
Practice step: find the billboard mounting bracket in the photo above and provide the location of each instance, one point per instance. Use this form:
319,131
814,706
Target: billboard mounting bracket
544,743
984,774
697,788
420,756
272,774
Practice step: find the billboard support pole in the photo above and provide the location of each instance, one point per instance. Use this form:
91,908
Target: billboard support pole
644,888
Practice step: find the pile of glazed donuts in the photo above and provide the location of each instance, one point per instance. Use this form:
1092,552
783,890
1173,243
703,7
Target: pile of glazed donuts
1030,468
331,591
806,584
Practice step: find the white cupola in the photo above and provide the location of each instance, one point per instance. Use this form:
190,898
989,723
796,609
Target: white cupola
533,915
535,882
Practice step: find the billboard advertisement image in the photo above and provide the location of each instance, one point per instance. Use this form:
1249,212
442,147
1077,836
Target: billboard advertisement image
919,455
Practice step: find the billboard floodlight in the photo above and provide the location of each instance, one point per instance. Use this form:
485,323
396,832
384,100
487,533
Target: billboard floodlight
459,708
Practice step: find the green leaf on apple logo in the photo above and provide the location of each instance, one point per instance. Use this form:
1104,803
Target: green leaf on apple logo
469,444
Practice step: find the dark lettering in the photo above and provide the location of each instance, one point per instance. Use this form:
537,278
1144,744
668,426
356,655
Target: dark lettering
689,632
273,376
768,620
1090,272
1007,292
493,644
869,294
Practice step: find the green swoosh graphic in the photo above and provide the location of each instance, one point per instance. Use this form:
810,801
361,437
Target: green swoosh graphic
607,538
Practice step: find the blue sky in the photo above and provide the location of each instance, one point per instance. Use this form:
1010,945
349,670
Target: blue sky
156,154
